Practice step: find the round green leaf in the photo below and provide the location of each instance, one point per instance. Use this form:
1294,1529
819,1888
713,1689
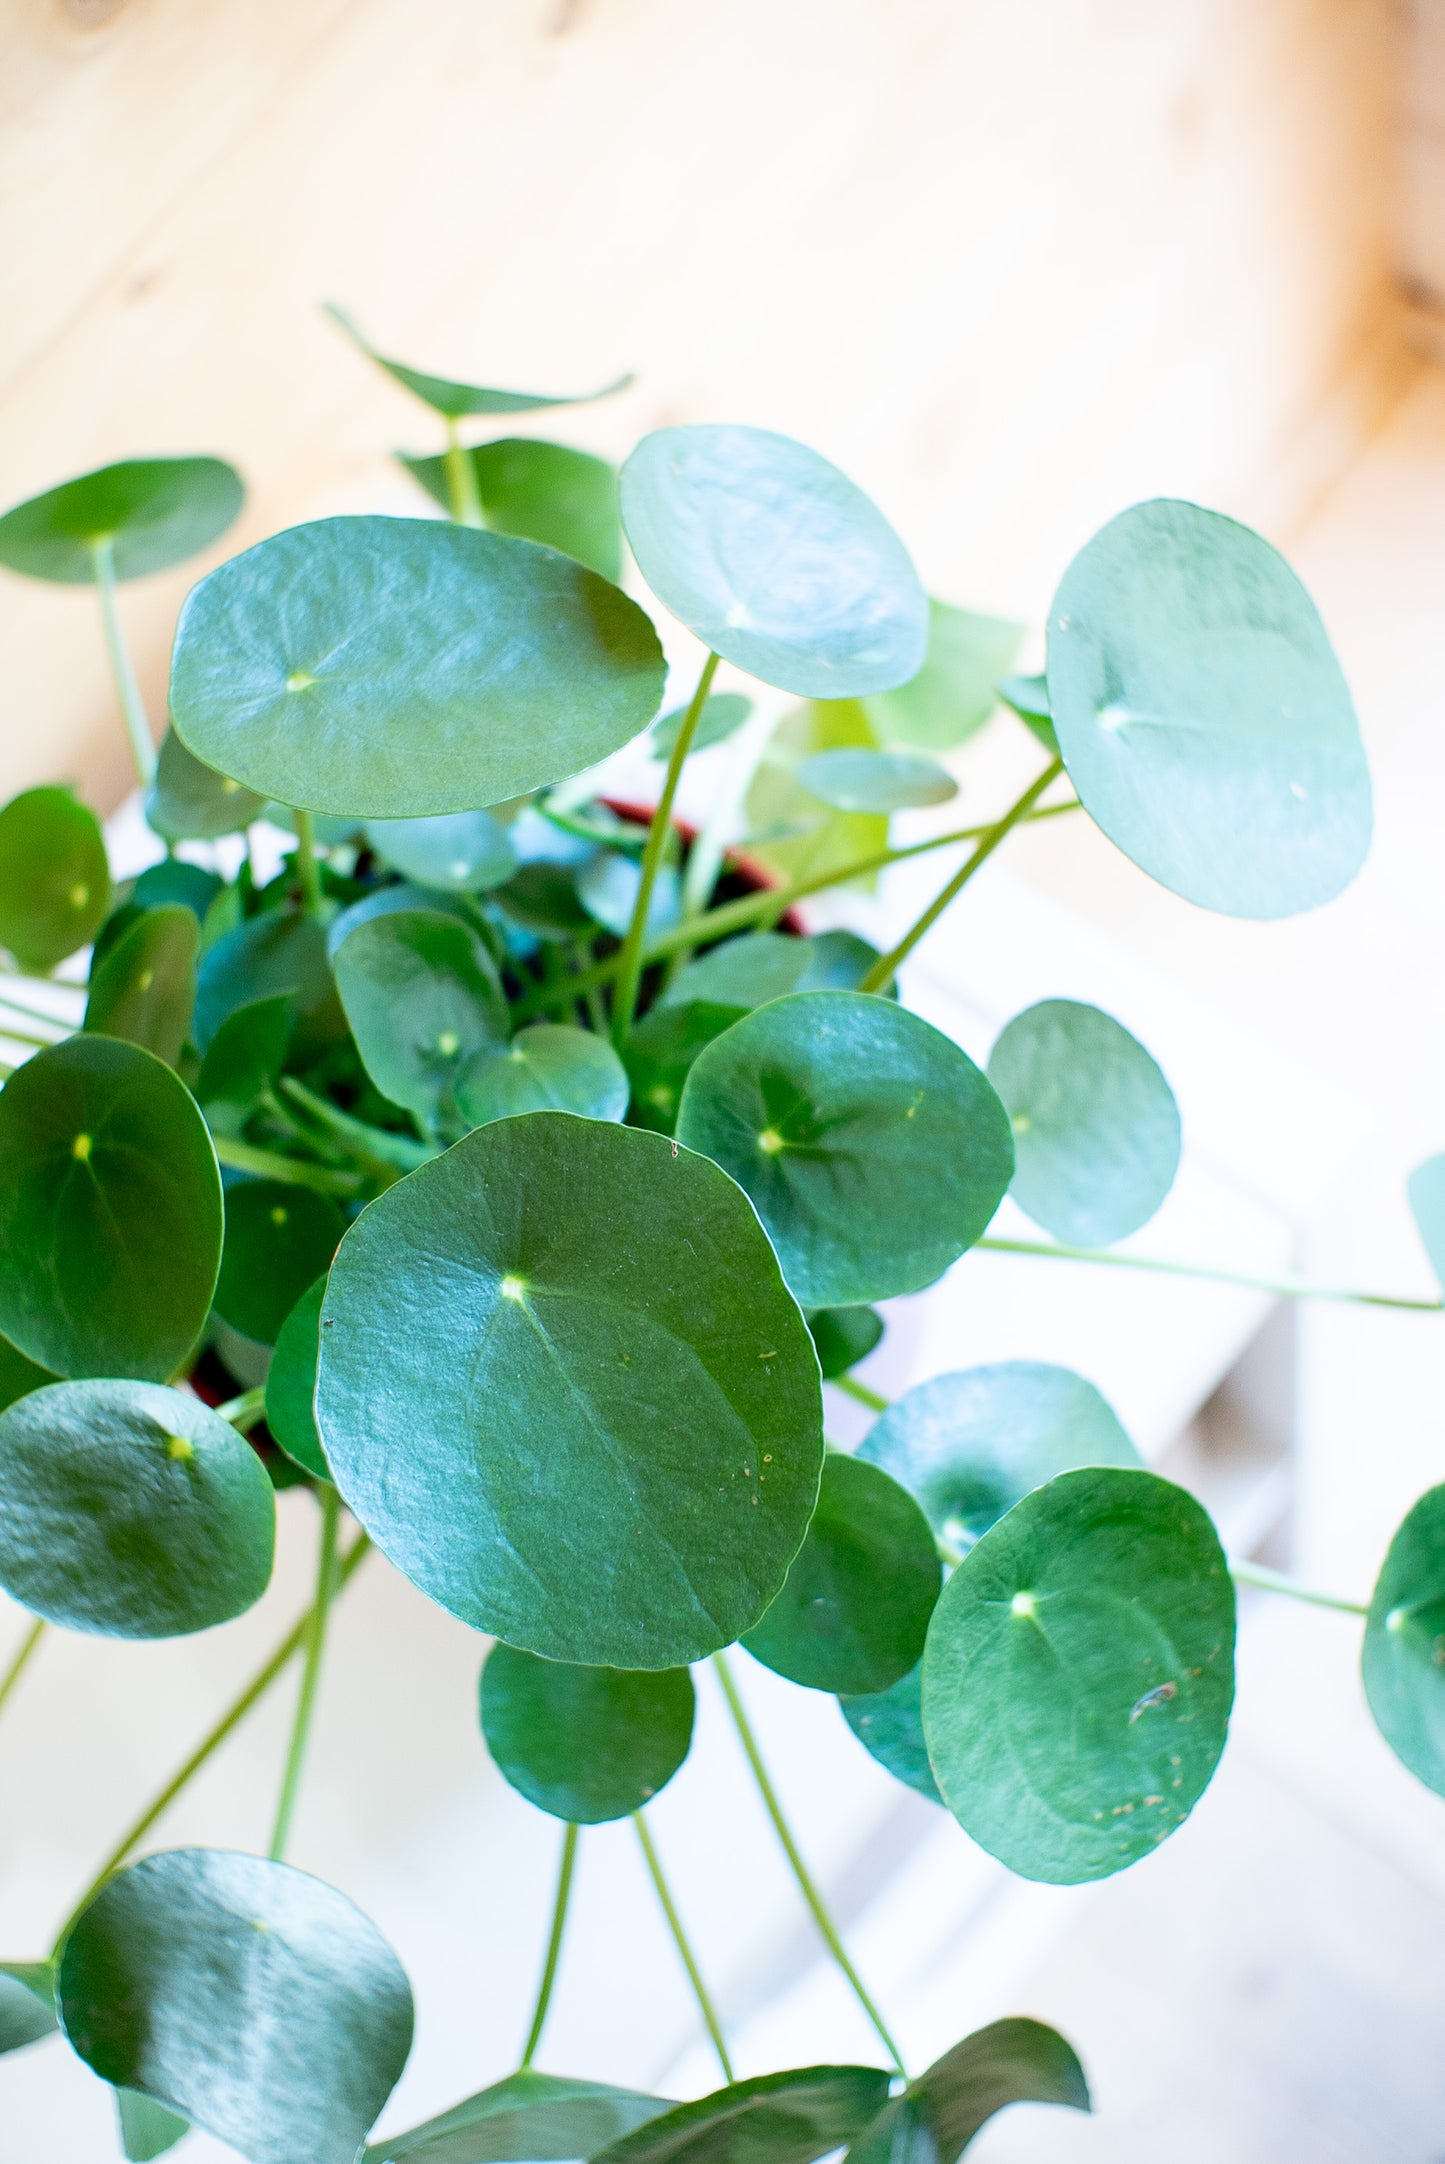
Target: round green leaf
253,1999
1202,714
279,1239
544,492
854,1609
54,878
456,400
191,802
841,960
383,901
175,881
786,2118
1404,1650
421,994
953,693
971,1445
244,1059
1095,1125
110,1211
659,1053
1426,1189
876,781
742,973
547,1068
155,512
1079,1673
280,951
873,1149
529,2118
291,1384
721,714
586,1744
889,1725
460,852
563,1386
131,1510
607,888
775,560
145,989
843,1336
542,898
1010,2062
386,668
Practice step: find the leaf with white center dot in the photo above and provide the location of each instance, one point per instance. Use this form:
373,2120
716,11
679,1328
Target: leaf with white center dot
1404,1650
460,852
54,878
131,1510
455,400
660,1051
586,1744
1079,1674
154,512
547,1068
937,2115
291,1384
145,989
422,996
189,801
279,1239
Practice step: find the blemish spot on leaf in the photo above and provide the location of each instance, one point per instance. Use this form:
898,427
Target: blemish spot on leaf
1157,1697
179,1448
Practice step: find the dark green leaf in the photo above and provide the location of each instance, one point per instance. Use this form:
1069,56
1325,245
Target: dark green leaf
841,960
875,781
971,1445
554,1363
547,1068
1079,1674
873,1149
145,989
1095,1125
279,1239
953,693
291,1384
1427,1206
934,2120
1202,714
543,492
188,801
383,901
54,879
421,994
155,511
742,973
542,898
464,852
775,560
529,2118
249,1997
244,1058
385,668
854,1610
456,400
1029,698
281,951
130,1510
147,2129
175,881
110,1211
724,712
889,1725
843,1336
586,1744
787,2118
660,1052
1404,1650
27,2004
19,1375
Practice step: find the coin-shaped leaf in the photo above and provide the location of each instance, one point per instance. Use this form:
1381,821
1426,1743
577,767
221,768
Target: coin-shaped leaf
110,1211
250,1997
787,2118
154,511
742,973
843,1336
607,888
553,1364
291,1384
876,781
1404,1650
421,994
456,400
724,712
775,559
586,1744
191,802
936,2117
460,852
145,989
175,881
971,1445
793,834
889,1725
131,1510
542,898
545,492
854,1609
661,1050
529,2118
280,951
547,1068
54,878
953,694
243,1060
1079,1673
27,2003
1426,1190
387,668
279,1239
1096,1128
1202,714
873,1149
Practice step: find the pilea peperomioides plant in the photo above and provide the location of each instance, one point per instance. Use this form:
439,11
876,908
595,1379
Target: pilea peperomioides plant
512,1169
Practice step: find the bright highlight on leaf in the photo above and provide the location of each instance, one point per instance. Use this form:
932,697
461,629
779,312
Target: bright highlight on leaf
585,1744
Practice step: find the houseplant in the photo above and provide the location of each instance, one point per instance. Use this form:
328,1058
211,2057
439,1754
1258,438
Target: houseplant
501,1173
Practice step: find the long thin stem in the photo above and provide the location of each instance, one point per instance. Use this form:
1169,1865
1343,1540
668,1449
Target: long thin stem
308,871
37,1014
211,1742
888,965
705,858
122,669
12,1035
629,961
311,1673
1275,1581
22,1658
679,1937
854,1389
462,491
554,1945
826,1926
1285,1288
271,1165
